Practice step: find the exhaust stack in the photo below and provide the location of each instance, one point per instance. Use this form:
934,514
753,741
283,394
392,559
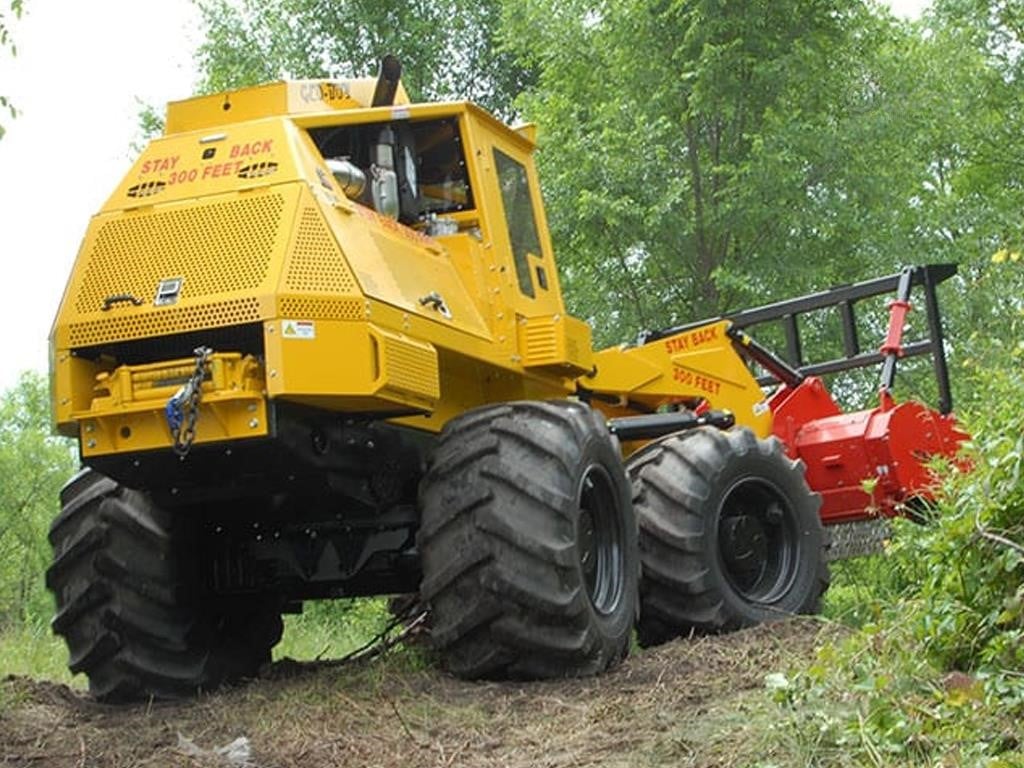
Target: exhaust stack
387,82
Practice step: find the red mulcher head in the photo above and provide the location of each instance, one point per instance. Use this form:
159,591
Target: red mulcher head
867,463
874,462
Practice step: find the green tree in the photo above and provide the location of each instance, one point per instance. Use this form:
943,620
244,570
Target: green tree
699,156
7,43
755,149
34,464
449,48
984,179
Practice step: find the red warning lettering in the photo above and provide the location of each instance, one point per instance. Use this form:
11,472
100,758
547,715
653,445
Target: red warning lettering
216,170
261,147
687,341
703,335
697,381
159,164
706,384
676,344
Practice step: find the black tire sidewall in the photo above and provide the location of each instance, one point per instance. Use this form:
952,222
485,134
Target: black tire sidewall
802,507
615,626
509,601
167,635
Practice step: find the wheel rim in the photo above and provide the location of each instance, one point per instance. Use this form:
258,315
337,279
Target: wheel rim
599,540
757,541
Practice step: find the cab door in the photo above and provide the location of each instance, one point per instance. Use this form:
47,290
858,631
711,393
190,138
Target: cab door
523,230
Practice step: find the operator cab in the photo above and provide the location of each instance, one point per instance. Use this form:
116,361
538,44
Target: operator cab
415,171
443,169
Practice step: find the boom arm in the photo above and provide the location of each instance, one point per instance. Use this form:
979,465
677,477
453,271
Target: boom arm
695,368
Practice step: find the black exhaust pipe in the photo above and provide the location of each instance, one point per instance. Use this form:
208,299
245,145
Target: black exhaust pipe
387,82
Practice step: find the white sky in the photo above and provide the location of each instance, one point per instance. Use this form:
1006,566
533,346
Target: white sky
81,67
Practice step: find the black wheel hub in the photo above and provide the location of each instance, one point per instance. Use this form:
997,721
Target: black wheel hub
599,543
757,540
744,544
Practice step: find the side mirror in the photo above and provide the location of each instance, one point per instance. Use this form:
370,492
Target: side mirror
384,181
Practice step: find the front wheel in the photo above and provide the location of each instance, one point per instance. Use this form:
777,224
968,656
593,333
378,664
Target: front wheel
729,534
130,605
528,543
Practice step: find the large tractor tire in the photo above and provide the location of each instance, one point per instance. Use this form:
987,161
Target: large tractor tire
130,605
729,534
528,544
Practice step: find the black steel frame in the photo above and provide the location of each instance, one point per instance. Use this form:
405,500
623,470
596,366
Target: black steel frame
792,367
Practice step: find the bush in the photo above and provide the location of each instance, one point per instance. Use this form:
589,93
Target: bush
332,628
34,465
938,667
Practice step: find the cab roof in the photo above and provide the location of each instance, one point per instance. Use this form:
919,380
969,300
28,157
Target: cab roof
293,97
311,100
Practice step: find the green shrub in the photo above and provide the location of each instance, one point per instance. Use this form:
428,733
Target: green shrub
34,465
938,666
332,628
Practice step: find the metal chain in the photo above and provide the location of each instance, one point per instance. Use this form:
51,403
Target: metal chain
182,410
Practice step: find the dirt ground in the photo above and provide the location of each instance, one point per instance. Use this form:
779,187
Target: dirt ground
693,702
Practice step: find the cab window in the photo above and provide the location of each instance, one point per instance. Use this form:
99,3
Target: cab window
522,226
443,178
425,158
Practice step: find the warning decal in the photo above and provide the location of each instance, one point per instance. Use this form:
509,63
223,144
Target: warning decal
298,329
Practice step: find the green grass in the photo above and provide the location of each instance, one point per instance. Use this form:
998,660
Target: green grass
329,629
326,629
32,650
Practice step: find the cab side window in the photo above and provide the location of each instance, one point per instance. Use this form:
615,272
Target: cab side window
522,226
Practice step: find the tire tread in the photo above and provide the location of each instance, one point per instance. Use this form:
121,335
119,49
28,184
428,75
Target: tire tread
674,482
501,587
127,604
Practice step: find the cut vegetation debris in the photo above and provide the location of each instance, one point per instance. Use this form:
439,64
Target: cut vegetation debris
692,702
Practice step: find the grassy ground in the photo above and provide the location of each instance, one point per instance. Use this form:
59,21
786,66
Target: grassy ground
324,630
331,629
697,702
32,650
808,692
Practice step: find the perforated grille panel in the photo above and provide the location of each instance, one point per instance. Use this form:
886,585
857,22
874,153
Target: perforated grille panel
317,264
321,309
164,321
217,248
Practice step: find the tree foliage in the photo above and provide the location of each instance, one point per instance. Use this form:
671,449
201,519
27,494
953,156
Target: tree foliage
34,465
449,48
7,44
669,196
754,151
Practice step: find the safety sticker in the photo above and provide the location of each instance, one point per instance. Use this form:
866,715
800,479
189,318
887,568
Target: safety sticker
298,329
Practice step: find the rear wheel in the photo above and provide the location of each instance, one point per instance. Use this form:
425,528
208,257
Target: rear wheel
130,605
528,543
729,534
